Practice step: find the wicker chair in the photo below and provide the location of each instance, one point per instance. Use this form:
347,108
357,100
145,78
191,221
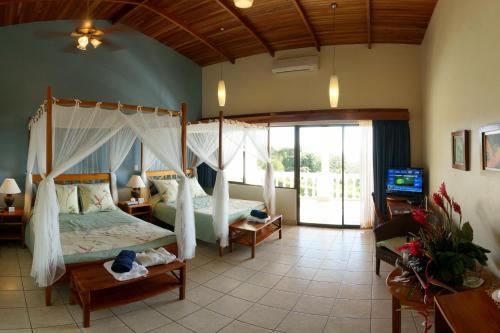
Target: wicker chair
391,230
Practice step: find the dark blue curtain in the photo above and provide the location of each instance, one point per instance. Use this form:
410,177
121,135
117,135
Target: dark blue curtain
206,176
391,148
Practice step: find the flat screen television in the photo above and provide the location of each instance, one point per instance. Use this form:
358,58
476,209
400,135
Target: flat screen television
405,181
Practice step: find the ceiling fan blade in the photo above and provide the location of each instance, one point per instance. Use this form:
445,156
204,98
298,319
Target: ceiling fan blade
47,34
75,34
112,46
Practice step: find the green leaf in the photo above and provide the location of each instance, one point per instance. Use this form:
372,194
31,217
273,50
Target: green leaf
466,233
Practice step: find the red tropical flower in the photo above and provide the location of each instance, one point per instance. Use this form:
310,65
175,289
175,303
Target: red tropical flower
443,192
438,200
457,208
414,247
419,216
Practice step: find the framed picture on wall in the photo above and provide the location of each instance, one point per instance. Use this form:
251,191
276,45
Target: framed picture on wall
490,147
460,148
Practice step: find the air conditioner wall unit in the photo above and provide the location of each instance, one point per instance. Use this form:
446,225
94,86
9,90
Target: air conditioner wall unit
298,64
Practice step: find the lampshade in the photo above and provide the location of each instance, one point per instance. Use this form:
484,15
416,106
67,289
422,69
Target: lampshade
221,93
334,91
83,42
135,182
9,186
243,3
95,42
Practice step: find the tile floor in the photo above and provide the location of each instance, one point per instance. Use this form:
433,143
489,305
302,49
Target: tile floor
313,280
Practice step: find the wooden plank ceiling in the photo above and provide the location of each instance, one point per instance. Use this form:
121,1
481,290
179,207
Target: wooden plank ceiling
212,31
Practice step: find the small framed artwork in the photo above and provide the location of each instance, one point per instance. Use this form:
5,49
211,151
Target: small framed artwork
460,148
490,147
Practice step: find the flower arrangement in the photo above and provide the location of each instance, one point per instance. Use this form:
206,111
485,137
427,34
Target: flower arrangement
443,250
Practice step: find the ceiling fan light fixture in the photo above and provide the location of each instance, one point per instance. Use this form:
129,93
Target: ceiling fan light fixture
95,42
243,3
83,42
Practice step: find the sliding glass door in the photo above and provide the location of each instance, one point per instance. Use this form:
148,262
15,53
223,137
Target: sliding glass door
328,175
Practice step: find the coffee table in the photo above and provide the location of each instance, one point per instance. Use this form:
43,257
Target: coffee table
251,233
94,288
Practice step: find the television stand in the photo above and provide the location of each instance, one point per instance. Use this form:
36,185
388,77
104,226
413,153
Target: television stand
394,197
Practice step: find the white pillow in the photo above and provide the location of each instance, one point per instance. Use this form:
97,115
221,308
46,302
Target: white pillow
167,188
67,198
196,189
96,198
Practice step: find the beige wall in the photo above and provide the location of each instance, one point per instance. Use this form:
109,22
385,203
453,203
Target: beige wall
461,90
385,76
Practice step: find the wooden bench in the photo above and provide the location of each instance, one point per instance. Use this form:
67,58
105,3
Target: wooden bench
94,288
251,233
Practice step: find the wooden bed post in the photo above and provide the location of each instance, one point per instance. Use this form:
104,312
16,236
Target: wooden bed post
48,289
184,136
221,164
49,131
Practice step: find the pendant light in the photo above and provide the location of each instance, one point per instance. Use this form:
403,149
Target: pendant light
243,3
333,90
221,90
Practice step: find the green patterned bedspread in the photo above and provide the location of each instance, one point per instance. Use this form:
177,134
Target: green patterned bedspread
98,236
203,214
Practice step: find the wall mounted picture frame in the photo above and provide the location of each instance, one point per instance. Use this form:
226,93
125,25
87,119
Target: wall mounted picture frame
460,148
490,147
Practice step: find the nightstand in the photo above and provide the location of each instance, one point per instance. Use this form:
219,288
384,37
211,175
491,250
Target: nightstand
12,225
141,210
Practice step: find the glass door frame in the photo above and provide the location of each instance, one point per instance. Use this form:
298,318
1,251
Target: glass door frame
297,178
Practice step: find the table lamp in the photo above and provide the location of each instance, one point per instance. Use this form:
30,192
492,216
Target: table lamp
135,183
9,187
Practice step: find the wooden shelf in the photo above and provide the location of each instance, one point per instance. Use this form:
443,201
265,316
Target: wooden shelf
11,236
119,295
247,238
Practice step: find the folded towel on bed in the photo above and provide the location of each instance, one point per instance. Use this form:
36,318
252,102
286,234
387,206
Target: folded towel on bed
258,214
123,261
257,220
155,257
136,271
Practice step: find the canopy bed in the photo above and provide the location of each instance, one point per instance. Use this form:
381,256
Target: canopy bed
65,132
216,143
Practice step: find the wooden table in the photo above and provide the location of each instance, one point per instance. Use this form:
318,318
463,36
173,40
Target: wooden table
252,234
398,206
468,311
141,210
94,288
401,296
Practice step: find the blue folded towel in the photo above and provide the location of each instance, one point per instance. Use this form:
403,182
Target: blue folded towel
258,214
123,261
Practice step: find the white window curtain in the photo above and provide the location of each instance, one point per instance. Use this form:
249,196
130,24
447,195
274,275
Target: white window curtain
119,146
366,183
258,140
77,132
162,135
203,140
36,153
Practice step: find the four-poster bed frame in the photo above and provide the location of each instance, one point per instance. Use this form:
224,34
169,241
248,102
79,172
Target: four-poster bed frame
97,177
171,173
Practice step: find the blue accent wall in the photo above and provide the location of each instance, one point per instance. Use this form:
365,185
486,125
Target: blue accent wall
144,72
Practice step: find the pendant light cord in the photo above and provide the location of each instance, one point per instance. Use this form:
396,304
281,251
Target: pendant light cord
334,5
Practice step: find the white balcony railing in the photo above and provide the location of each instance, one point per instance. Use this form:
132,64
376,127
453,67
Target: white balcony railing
322,185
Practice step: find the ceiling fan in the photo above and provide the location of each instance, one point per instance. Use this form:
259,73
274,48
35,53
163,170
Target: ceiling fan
87,33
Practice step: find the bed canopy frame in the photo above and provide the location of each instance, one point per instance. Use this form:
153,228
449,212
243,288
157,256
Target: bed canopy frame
209,141
48,263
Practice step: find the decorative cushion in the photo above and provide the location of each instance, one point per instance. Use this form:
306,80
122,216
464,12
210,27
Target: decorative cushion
67,198
96,198
167,188
196,189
